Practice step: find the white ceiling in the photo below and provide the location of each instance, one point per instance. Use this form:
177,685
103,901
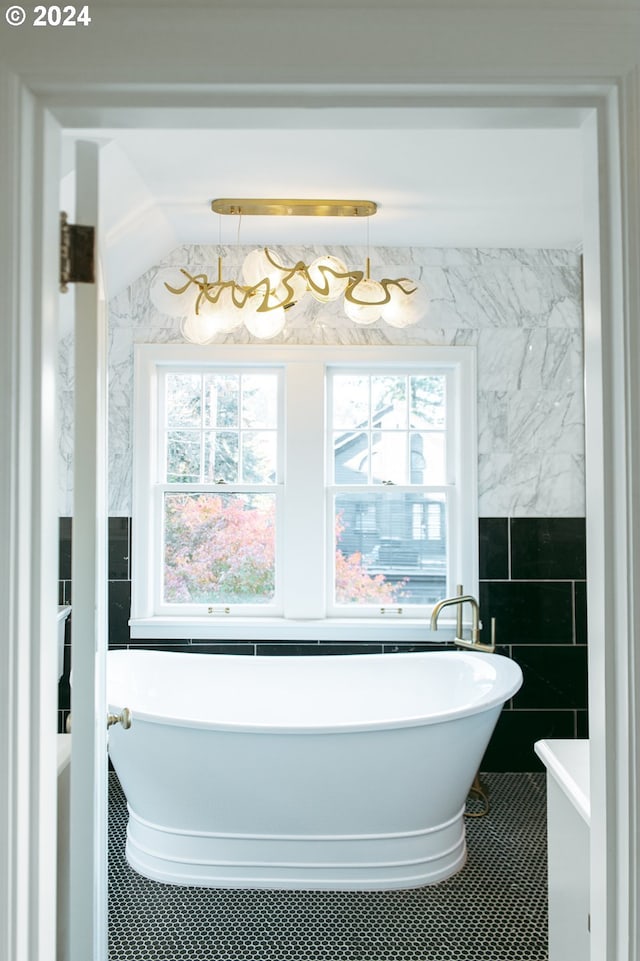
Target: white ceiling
437,181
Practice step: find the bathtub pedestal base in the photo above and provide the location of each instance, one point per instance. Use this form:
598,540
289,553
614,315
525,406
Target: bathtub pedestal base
336,863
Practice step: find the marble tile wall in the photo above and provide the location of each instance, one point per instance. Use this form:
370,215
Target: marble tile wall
521,309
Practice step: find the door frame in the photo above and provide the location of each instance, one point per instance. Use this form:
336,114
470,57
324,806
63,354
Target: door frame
88,790
28,196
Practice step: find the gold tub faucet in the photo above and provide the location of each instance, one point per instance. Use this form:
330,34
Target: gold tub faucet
459,600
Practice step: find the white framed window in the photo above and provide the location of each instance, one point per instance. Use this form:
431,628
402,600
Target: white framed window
391,474
217,502
288,491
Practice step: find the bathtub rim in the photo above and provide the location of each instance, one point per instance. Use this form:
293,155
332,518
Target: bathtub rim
496,699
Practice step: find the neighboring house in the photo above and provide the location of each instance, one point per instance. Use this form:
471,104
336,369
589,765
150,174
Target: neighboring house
393,540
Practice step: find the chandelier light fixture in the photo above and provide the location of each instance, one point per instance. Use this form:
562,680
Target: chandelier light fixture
269,288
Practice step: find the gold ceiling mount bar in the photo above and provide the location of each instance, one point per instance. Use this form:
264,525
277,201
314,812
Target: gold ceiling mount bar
269,207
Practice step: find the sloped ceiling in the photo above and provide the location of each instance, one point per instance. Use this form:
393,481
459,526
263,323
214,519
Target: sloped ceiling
437,179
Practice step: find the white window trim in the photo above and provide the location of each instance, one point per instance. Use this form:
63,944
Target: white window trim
305,365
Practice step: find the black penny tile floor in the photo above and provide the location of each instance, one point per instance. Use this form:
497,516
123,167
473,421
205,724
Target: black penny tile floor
495,909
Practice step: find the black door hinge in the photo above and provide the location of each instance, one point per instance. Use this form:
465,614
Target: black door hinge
77,254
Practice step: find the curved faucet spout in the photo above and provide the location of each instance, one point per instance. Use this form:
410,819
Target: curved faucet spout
458,601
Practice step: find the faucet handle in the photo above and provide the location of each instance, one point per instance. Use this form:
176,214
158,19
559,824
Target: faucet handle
459,627
475,644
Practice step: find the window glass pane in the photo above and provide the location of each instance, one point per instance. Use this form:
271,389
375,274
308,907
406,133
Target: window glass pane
391,548
259,456
183,400
259,400
220,456
351,457
237,432
350,401
219,548
428,458
221,400
389,457
389,402
428,401
381,447
183,457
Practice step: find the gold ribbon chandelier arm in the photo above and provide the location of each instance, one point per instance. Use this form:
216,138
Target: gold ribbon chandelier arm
385,284
399,283
325,270
288,272
288,301
240,294
285,269
286,285
352,276
200,280
263,287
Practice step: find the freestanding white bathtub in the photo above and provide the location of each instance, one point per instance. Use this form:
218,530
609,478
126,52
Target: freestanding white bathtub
319,772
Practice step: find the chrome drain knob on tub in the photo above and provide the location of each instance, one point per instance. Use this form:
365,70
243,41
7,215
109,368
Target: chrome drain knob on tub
123,718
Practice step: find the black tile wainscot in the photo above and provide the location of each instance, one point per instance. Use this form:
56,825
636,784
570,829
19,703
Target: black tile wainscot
532,580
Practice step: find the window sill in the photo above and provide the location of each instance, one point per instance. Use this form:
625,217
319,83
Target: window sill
280,629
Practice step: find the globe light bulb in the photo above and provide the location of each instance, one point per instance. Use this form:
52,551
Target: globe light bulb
258,267
172,305
371,294
335,285
197,329
263,324
404,310
221,314
212,318
294,291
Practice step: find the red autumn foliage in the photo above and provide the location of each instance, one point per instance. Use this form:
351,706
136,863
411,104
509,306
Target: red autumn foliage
221,548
